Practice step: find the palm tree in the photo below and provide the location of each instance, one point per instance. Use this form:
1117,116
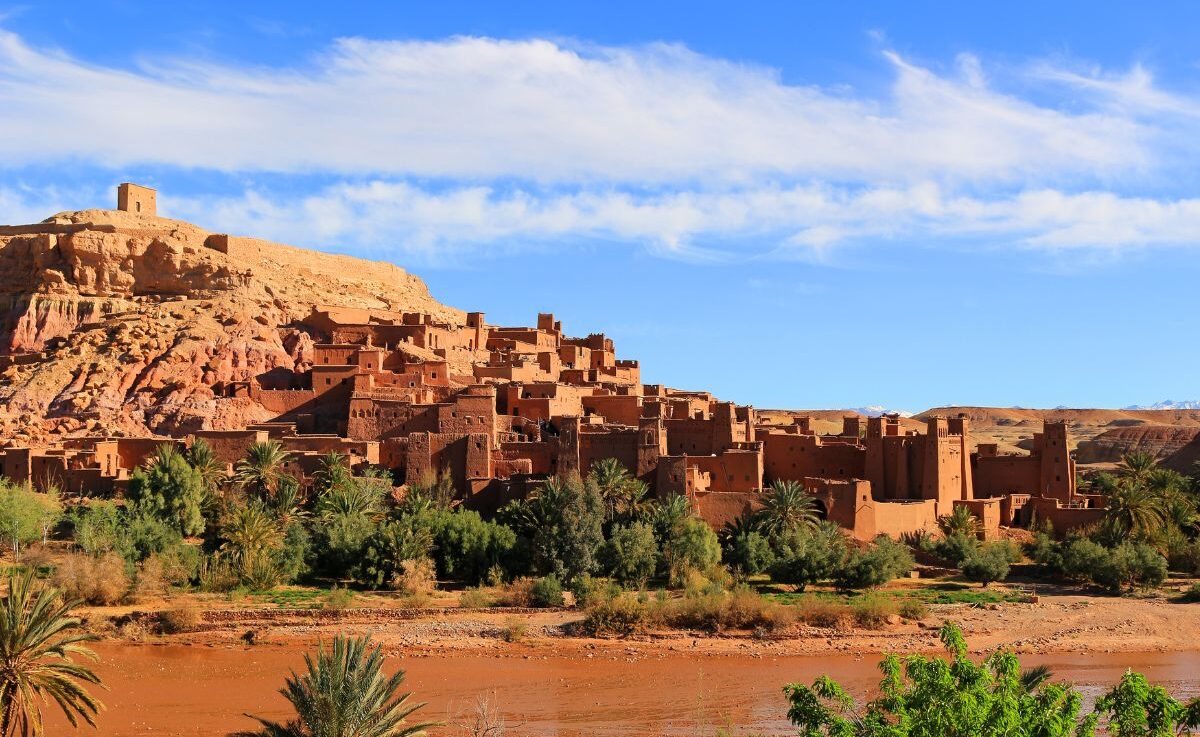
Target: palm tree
611,478
263,465
38,638
331,471
1134,510
343,693
788,507
960,521
1033,678
206,463
1136,466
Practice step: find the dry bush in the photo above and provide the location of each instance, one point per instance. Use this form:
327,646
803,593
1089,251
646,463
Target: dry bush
514,630
741,608
182,619
415,577
477,598
132,629
822,613
913,609
217,575
151,581
517,593
98,581
338,598
619,615
873,612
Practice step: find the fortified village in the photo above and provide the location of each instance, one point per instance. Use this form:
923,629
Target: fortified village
498,409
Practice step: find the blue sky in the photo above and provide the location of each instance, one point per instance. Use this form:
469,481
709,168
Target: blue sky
791,204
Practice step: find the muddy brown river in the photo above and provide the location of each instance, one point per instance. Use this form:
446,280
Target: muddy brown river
198,690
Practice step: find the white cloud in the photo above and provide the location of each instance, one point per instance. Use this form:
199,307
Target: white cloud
785,221
428,146
536,110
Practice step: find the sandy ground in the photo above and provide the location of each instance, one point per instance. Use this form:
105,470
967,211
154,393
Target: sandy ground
1056,623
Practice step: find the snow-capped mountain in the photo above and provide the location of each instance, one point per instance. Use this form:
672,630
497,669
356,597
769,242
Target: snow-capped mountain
1169,404
876,410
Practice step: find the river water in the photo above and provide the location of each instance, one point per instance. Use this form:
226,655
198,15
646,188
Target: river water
190,691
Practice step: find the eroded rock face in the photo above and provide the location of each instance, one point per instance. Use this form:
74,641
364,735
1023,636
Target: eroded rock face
137,321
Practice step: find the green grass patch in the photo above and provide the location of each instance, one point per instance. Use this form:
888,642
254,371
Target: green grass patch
940,593
292,598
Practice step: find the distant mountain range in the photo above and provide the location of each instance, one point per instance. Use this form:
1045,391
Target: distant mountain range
1168,404
876,411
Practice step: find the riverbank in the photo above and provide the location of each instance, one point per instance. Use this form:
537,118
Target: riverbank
1055,621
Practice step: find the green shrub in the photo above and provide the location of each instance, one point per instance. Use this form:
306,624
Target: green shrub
1132,565
546,592
388,547
988,563
880,562
1046,553
465,547
805,557
1192,595
619,615
692,546
477,598
1082,559
956,546
748,551
631,554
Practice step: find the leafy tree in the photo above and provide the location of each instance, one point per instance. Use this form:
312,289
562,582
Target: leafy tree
693,546
25,514
986,564
1134,708
562,523
343,693
262,467
39,641
168,486
1131,565
956,547
874,565
99,527
631,554
788,507
340,542
466,547
806,557
744,548
933,697
390,546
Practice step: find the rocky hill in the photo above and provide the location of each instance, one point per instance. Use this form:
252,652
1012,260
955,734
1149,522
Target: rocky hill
1100,435
123,323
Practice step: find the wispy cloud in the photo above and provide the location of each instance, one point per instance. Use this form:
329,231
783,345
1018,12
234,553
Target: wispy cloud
469,142
485,108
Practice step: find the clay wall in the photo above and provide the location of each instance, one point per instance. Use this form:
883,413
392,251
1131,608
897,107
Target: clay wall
793,457
622,409
231,446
